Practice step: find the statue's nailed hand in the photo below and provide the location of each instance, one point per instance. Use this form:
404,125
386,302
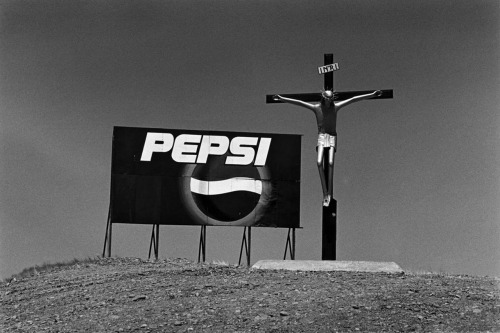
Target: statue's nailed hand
276,98
378,93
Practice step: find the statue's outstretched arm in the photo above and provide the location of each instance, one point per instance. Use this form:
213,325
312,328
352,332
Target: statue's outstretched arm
295,102
357,99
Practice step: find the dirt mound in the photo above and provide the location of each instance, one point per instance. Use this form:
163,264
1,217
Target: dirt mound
176,295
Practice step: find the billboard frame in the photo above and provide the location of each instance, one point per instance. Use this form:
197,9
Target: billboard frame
246,242
290,244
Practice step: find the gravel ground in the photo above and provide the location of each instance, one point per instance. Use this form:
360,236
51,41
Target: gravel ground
176,295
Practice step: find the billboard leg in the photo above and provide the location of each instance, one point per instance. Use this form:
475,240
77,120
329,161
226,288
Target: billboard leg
249,245
246,240
203,243
290,244
329,232
155,239
107,238
151,242
108,223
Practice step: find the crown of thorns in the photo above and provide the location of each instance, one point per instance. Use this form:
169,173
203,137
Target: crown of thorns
328,93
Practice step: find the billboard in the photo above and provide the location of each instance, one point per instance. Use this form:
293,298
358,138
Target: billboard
188,177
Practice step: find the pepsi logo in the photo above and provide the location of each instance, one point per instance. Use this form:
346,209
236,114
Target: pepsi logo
196,148
225,193
220,194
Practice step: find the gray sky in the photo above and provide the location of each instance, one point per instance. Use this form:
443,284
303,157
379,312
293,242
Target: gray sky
417,177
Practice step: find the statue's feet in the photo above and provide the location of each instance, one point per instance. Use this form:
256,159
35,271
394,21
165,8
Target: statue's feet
326,200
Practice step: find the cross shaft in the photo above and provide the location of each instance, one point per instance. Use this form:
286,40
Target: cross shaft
325,106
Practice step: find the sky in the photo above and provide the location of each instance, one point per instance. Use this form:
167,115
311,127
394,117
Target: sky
417,177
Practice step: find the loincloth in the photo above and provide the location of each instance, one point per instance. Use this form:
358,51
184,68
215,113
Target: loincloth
326,140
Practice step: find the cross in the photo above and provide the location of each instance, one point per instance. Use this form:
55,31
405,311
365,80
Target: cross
328,85
325,106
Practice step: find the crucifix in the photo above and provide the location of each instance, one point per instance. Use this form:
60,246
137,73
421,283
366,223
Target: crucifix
325,106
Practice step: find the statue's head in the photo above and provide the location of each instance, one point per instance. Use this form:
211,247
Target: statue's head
329,95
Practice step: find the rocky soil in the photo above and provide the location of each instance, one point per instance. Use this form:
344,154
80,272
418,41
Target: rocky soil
175,295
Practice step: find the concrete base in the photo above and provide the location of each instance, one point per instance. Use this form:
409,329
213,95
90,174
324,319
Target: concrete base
327,265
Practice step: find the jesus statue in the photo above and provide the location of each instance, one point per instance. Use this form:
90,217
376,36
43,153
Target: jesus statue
326,116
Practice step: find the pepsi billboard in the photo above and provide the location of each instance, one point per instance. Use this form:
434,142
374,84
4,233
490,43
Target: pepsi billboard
188,177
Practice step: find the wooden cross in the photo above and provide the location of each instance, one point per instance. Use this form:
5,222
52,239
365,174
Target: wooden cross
328,85
329,210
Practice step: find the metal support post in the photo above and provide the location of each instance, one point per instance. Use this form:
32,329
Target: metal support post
107,238
246,241
203,243
290,244
155,240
